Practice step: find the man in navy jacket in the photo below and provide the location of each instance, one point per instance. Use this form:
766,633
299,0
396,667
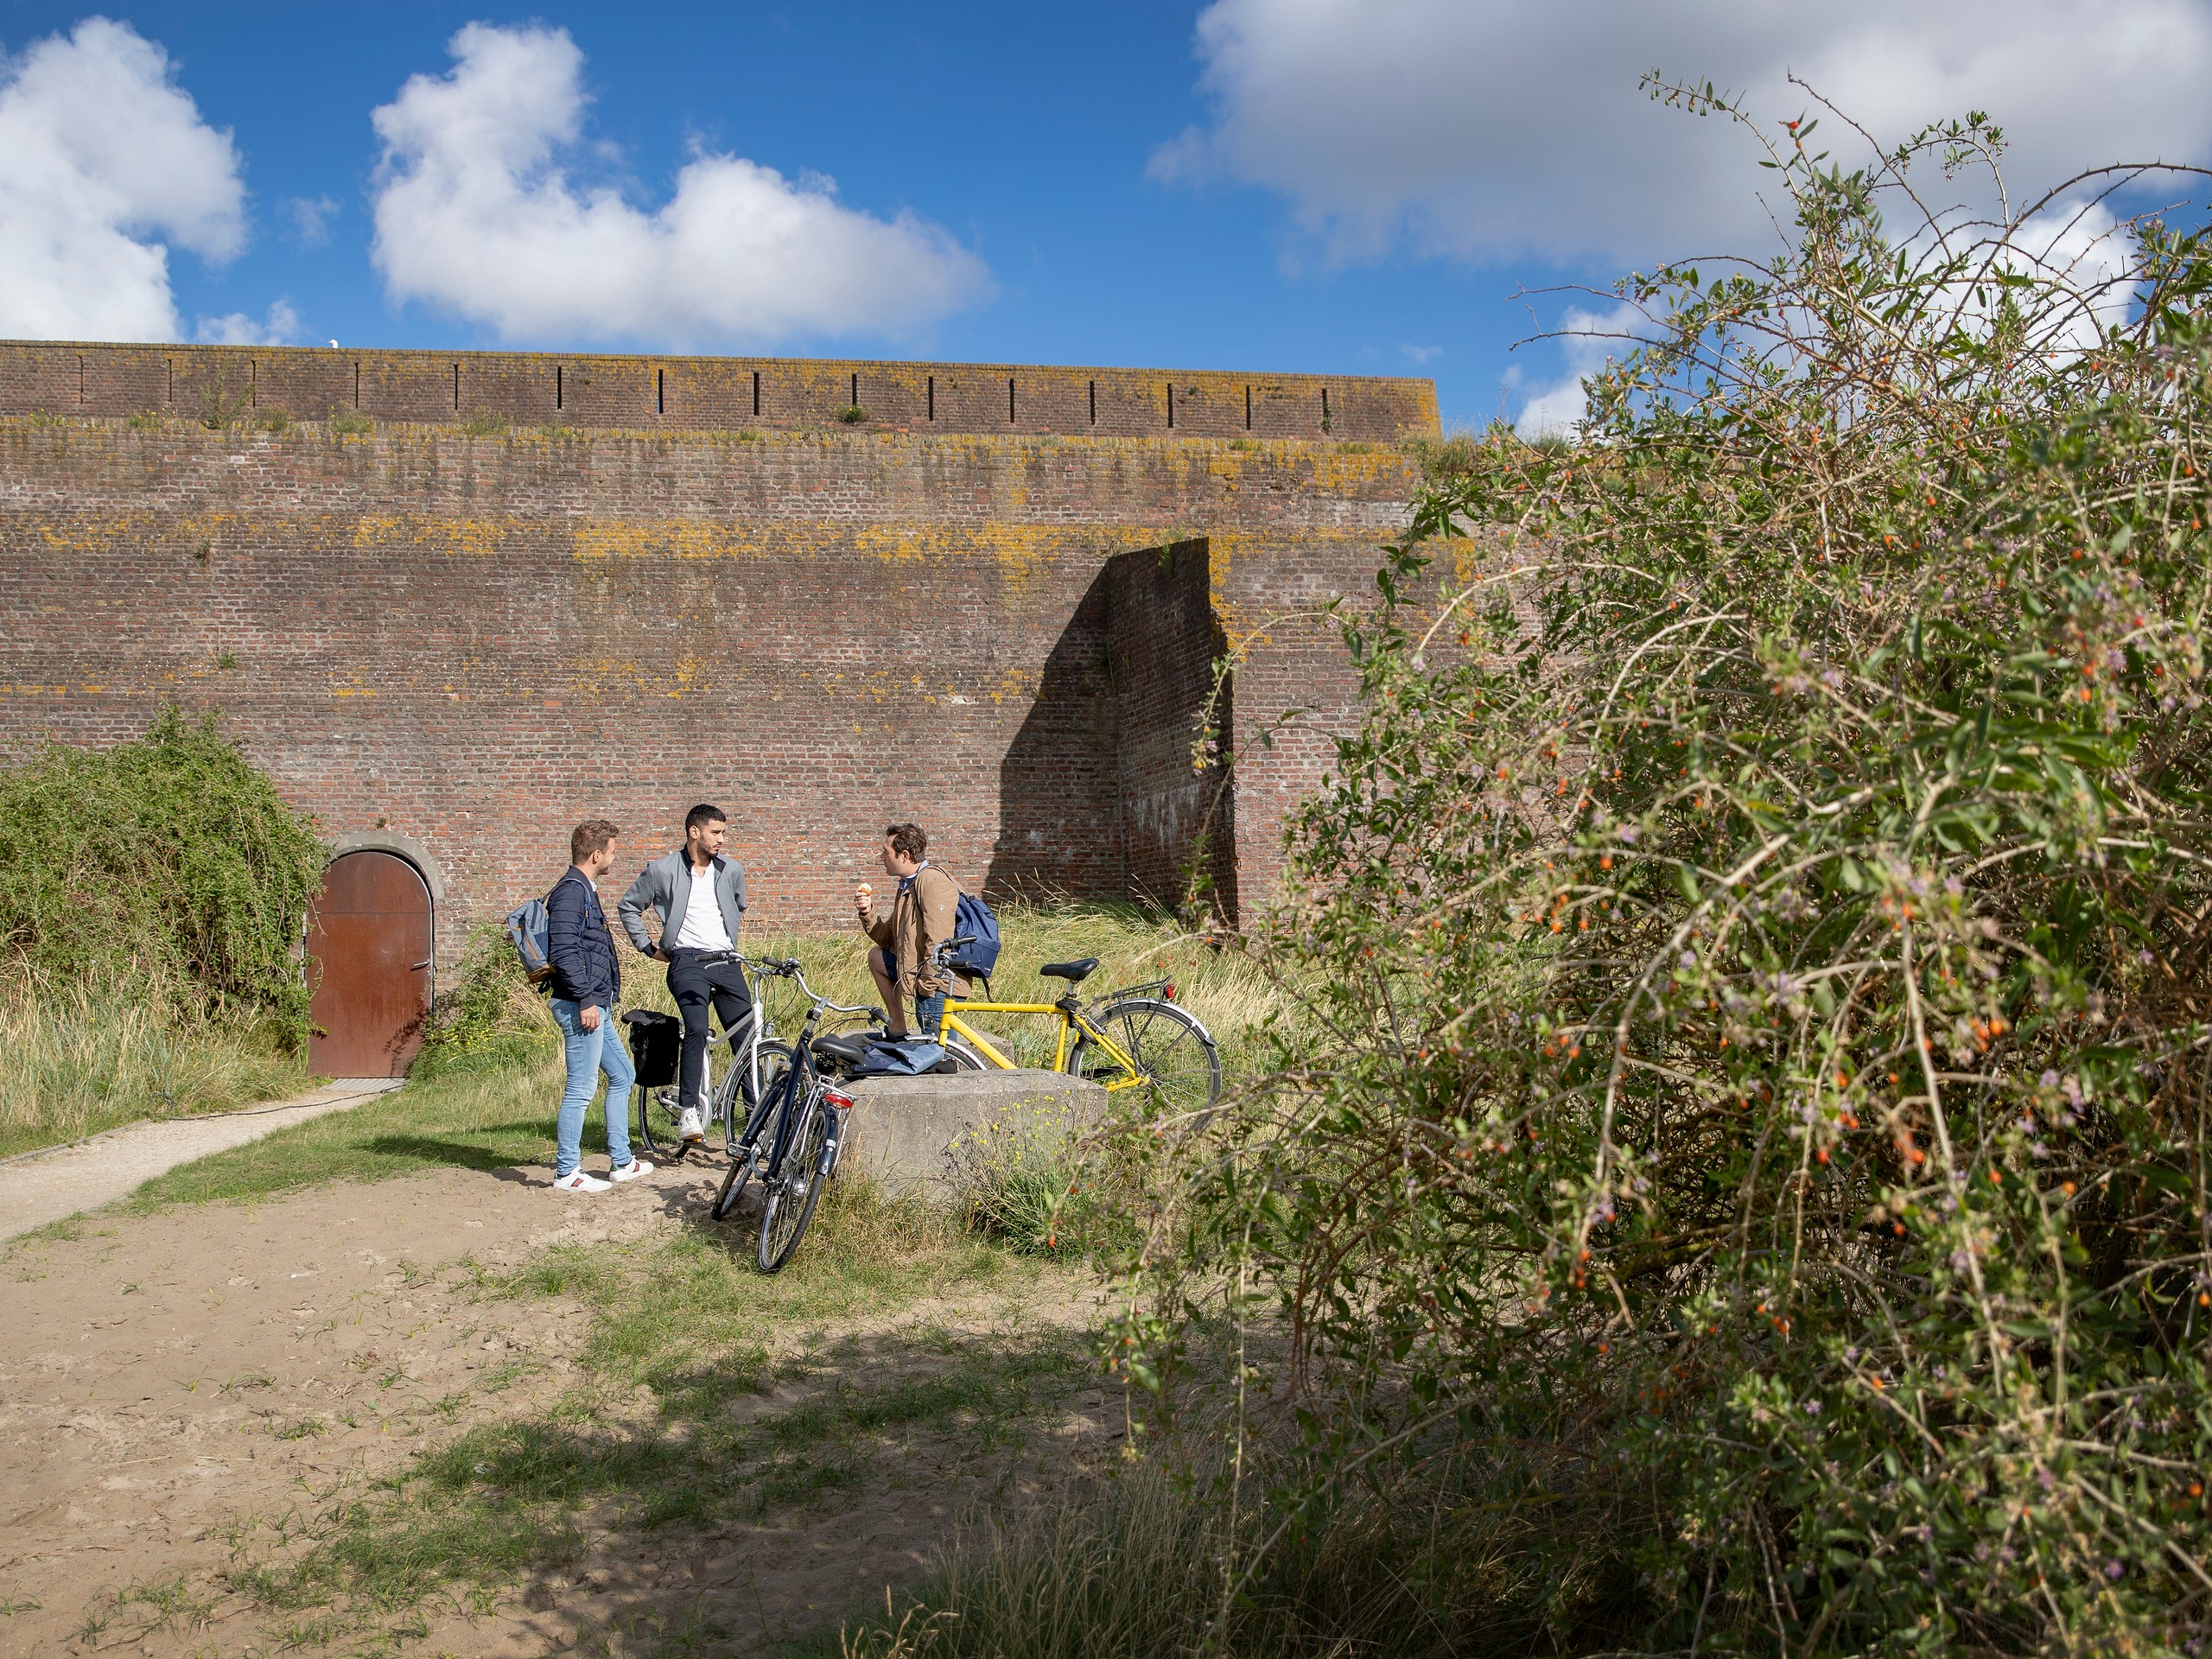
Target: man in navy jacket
587,980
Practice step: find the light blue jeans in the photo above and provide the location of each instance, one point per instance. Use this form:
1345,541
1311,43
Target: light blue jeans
591,1053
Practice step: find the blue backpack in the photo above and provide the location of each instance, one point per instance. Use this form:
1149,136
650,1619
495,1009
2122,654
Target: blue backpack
980,955
530,930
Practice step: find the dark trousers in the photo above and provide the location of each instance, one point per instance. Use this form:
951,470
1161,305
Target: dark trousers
695,982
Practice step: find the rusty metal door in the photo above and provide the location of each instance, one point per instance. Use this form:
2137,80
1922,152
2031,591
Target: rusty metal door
370,937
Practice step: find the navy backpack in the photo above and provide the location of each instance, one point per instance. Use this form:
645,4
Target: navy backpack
973,921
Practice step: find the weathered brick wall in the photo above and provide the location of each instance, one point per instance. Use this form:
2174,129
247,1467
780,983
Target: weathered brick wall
474,641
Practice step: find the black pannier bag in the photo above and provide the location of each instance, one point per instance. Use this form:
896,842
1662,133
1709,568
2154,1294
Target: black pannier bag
656,1044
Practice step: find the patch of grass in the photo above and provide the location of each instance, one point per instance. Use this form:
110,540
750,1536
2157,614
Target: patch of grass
274,420
492,1119
673,1425
351,423
147,420
1150,1565
852,415
172,1605
485,424
78,1064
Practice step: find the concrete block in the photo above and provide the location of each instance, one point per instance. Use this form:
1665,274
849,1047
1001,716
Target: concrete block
909,1131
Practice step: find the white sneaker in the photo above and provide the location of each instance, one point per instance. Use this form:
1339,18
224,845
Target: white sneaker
577,1181
688,1126
631,1171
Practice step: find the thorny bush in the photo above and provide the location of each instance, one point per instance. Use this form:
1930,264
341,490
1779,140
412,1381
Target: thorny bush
1763,925
166,869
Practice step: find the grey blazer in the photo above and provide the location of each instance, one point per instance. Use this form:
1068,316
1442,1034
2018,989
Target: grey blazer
664,885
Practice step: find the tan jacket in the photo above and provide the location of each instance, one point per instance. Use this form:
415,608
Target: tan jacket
919,920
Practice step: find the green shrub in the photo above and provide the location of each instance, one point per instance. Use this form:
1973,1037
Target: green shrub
167,867
491,1017
1756,1097
485,424
351,423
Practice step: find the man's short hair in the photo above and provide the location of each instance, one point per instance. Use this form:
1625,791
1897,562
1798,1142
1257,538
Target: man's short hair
908,840
588,837
705,812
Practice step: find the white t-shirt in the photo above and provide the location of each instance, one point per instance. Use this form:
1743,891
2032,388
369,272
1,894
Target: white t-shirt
702,928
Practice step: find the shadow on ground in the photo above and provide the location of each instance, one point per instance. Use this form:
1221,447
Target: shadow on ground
704,1493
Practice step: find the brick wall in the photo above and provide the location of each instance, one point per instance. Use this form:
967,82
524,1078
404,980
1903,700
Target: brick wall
474,641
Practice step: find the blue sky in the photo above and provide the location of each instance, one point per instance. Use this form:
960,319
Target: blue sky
1300,185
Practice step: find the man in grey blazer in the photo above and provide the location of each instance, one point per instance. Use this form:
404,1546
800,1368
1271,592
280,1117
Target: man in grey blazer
700,895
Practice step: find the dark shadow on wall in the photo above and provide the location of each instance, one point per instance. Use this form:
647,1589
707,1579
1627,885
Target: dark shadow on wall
1178,811
1059,822
1099,796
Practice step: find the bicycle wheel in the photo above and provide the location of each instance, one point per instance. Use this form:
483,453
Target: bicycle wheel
649,1102
775,1067
1173,1052
793,1191
963,1058
735,1099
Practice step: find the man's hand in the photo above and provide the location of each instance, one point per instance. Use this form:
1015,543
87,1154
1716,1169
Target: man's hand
588,1018
864,903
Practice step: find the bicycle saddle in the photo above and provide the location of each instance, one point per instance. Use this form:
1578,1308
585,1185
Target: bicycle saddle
850,1051
1074,972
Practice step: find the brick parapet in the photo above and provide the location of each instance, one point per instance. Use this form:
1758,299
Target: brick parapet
65,377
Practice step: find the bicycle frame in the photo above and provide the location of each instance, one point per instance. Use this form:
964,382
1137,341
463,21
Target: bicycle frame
802,1067
1071,1019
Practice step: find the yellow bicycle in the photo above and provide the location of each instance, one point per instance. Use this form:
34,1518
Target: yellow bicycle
1136,1037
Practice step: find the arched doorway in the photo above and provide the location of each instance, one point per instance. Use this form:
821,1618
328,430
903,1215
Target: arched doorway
370,939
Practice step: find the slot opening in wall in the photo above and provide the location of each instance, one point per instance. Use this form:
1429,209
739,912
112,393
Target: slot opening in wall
1009,400
932,397
853,402
756,392
456,385
252,385
1324,409
1171,405
170,396
660,392
1247,409
80,377
356,383
560,394
1094,403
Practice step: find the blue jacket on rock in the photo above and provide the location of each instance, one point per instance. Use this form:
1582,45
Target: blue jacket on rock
579,944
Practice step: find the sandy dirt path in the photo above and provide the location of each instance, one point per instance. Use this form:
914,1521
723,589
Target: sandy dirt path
39,1187
167,1377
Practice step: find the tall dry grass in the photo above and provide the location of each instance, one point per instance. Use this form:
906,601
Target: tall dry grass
74,1062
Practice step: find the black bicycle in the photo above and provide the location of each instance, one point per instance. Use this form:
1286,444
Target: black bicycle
797,1129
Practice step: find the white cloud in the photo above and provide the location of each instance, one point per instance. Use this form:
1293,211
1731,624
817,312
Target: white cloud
1423,355
310,217
1496,128
476,214
102,156
1588,339
280,327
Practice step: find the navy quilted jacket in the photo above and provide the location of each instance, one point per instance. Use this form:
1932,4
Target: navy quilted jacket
580,944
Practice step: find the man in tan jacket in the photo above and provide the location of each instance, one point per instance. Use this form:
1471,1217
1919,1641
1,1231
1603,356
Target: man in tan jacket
920,919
